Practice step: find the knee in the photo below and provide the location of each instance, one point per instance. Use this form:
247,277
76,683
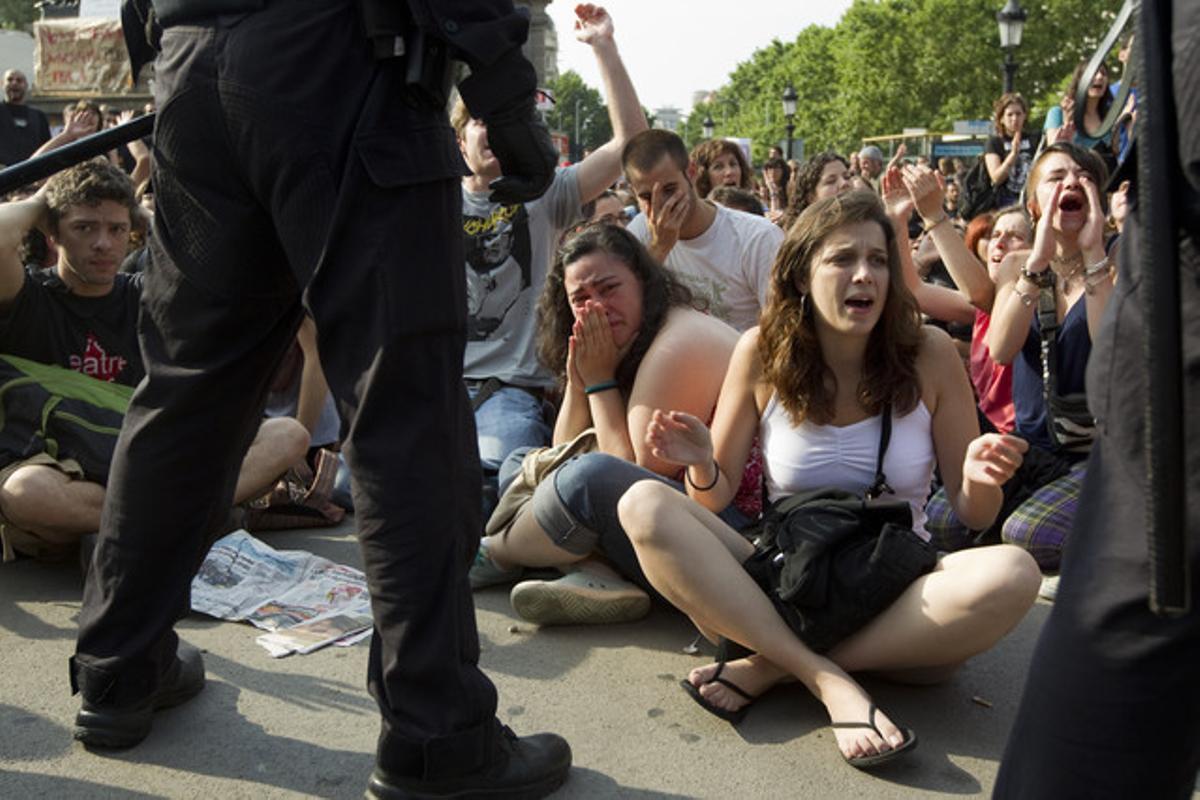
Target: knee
1008,582
284,438
642,509
28,494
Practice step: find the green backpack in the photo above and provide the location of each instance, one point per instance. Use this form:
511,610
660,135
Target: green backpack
59,412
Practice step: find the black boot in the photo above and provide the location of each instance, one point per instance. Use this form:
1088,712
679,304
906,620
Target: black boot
110,725
519,768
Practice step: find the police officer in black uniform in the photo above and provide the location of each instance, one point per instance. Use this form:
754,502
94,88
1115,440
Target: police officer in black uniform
1111,708
303,157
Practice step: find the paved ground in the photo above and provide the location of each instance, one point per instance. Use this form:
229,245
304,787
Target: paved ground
304,726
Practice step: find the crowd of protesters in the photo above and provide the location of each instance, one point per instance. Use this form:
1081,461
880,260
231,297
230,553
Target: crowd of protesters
696,337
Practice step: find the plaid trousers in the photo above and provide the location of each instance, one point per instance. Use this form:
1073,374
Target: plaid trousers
1039,525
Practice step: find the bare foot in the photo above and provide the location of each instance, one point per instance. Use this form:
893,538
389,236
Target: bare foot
753,675
847,702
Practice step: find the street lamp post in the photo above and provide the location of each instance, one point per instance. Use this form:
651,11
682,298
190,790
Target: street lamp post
1011,19
789,112
709,126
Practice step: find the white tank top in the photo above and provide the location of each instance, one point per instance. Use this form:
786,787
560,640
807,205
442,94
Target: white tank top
812,456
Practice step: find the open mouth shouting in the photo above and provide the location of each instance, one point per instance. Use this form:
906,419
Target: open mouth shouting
1072,202
859,305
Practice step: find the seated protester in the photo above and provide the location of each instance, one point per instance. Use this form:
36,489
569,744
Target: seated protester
1118,210
724,256
606,208
1006,230
737,199
80,119
299,390
1009,152
508,251
839,343
937,302
625,337
720,162
82,315
824,175
1067,264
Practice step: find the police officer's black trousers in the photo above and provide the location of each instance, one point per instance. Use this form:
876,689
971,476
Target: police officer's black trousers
286,159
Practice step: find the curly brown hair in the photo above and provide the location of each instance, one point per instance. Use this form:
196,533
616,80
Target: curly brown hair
88,183
788,345
708,151
805,186
661,291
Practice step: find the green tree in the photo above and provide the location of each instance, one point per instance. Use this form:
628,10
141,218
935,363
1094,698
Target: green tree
894,64
17,14
571,94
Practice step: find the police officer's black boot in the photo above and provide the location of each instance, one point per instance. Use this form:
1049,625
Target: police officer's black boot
526,767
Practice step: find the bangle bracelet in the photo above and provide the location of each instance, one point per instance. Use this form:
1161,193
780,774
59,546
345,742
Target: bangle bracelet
716,477
1102,265
600,387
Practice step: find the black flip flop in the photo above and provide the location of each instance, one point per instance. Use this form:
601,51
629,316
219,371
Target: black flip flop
867,762
733,717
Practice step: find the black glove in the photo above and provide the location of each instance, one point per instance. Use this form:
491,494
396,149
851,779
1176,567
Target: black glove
521,143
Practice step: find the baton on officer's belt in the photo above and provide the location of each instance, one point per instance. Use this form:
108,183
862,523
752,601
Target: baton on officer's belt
45,165
1160,200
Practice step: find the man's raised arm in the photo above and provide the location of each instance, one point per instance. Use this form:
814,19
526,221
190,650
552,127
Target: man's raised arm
598,171
16,220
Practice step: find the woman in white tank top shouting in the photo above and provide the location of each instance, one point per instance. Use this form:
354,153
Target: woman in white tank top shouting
839,340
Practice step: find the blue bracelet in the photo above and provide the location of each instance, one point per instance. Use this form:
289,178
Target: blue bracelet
601,387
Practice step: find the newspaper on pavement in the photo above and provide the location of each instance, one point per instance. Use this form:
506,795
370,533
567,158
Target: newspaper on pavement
303,600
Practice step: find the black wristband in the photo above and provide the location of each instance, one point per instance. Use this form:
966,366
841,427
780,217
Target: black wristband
1039,279
716,477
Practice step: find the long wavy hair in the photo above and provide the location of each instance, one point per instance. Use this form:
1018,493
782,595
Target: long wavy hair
708,151
661,291
788,345
808,177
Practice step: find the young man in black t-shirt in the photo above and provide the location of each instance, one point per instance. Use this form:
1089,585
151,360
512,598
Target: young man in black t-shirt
82,314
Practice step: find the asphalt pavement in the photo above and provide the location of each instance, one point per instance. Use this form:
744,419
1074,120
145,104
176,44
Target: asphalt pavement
304,726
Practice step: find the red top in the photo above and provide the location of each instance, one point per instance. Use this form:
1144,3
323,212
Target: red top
992,381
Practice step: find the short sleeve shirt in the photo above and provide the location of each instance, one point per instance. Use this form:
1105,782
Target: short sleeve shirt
509,249
94,335
729,265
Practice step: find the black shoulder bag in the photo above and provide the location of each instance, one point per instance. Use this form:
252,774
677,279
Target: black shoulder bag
831,561
1071,425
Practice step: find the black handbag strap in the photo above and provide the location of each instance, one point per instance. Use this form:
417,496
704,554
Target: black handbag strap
880,486
1047,315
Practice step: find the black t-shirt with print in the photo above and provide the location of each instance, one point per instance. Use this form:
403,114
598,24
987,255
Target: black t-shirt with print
93,335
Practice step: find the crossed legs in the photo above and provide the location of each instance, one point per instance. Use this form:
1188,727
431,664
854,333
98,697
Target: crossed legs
963,607
59,508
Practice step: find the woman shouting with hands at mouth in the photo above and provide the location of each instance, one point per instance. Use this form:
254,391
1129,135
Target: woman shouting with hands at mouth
1060,287
625,337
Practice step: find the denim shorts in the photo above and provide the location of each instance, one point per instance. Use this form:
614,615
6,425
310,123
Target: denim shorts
577,508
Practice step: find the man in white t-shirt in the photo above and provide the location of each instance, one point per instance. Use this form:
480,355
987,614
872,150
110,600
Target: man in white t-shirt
724,255
509,249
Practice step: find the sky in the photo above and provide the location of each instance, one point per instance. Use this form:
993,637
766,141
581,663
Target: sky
673,48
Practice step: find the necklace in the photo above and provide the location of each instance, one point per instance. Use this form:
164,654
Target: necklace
1067,270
